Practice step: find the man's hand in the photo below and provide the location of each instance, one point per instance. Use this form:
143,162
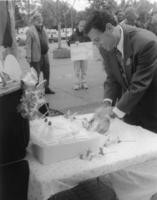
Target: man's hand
101,126
113,115
107,103
102,112
101,119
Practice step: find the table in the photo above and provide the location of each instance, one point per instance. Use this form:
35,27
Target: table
11,87
14,137
14,129
138,145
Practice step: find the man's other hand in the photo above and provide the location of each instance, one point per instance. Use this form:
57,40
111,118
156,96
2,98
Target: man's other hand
102,112
101,126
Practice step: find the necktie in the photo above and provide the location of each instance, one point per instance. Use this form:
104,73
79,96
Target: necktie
121,66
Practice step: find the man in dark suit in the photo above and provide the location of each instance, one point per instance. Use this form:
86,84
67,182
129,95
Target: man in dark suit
130,56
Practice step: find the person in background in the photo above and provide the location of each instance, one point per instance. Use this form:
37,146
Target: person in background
143,19
80,66
152,25
130,17
120,16
37,49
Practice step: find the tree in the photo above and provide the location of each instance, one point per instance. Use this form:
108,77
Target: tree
20,18
48,11
110,5
80,15
26,7
56,13
53,10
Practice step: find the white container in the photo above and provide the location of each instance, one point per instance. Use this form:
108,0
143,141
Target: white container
58,152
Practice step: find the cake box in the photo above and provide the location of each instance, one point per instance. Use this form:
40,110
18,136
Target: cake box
58,139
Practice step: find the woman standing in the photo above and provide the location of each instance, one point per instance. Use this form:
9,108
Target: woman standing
80,66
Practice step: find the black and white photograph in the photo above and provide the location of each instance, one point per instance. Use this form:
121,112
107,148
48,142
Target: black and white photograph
78,99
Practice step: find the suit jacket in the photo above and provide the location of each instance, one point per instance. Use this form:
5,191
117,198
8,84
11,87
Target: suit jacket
33,48
138,99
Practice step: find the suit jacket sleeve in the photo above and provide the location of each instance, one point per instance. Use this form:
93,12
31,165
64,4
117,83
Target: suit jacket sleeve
142,78
112,89
28,44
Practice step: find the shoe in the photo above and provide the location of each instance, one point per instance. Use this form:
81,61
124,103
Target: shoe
76,87
49,91
84,86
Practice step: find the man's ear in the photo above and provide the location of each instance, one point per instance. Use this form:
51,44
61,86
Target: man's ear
109,27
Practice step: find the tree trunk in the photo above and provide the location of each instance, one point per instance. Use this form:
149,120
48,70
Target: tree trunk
13,50
59,35
72,20
59,25
7,11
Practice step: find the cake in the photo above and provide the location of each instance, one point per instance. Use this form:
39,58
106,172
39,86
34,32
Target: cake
59,138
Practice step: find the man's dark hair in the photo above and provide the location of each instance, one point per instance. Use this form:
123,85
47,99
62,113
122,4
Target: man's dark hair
98,20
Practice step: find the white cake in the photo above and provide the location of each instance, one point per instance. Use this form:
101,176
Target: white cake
57,138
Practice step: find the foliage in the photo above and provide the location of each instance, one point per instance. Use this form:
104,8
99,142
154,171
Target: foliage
23,10
20,18
110,5
54,11
144,8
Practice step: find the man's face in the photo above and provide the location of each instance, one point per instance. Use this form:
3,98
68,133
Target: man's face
104,39
38,21
120,16
81,25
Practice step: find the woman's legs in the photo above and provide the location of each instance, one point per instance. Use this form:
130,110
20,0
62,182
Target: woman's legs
77,68
83,65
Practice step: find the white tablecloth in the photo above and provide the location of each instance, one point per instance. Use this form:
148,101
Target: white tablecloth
138,145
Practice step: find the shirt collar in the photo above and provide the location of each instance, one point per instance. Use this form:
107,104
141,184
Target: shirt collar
121,41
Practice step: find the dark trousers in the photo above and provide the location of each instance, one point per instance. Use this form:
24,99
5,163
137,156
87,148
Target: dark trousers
88,190
43,66
14,181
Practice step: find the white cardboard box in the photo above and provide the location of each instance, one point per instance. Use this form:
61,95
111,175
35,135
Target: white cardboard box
81,51
55,153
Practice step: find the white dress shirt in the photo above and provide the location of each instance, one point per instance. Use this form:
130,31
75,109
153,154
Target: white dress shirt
120,47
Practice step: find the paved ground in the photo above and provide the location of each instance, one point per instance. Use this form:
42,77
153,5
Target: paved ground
61,81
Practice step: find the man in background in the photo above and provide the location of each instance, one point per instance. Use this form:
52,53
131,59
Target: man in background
152,25
130,17
120,16
37,49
